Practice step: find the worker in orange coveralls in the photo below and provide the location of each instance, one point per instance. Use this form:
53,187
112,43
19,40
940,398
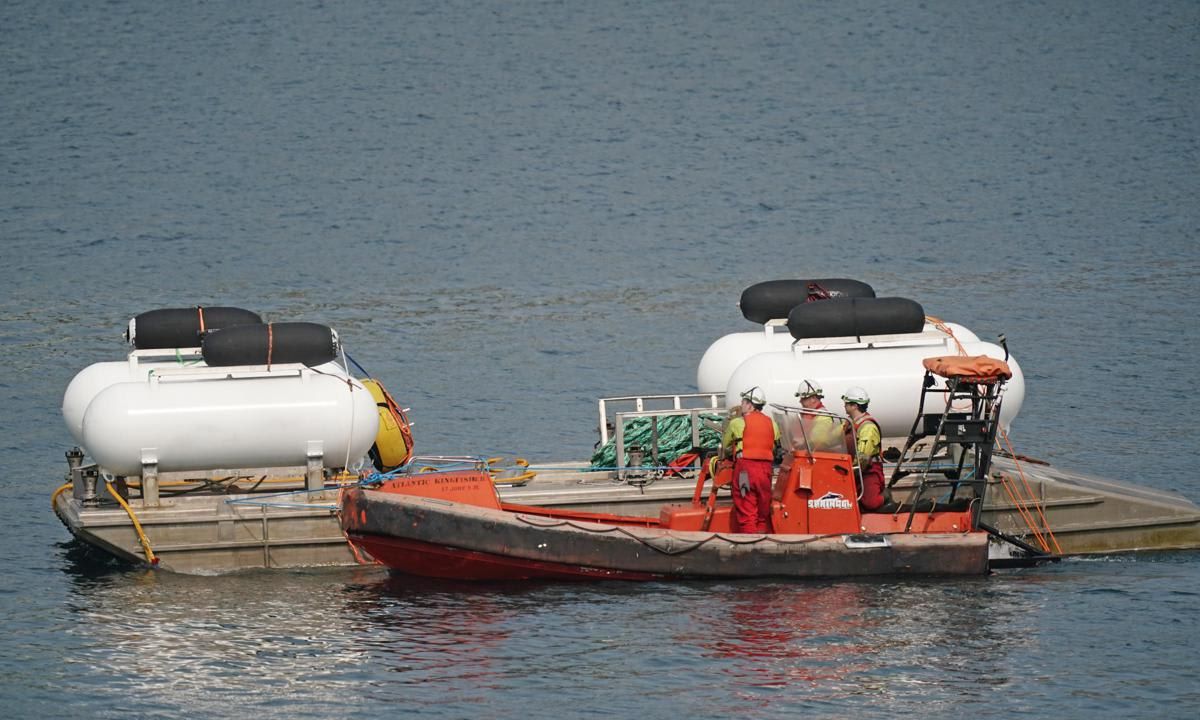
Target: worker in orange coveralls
751,439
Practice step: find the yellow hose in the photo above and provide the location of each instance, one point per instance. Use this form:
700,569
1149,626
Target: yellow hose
54,498
520,479
137,526
516,479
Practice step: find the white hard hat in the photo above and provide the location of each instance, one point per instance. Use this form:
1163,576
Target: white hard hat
810,388
755,396
856,395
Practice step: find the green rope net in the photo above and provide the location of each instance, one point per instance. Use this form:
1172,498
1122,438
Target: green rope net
674,439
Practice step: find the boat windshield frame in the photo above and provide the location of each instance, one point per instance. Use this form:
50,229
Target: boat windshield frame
791,416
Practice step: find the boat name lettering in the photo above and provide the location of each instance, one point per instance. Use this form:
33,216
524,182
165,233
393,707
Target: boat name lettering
413,482
455,481
426,481
830,501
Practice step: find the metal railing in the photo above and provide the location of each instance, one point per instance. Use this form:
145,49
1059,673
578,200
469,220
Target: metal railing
691,405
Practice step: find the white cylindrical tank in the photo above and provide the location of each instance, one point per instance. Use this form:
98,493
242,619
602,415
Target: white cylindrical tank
728,352
88,383
229,418
138,367
892,375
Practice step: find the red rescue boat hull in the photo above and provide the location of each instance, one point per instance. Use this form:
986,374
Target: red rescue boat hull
413,557
432,536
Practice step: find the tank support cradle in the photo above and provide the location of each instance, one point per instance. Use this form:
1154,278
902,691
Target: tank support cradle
314,478
150,477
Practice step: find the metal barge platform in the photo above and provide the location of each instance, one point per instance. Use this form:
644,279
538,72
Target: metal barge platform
274,518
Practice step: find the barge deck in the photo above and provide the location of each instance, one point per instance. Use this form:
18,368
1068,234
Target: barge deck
215,524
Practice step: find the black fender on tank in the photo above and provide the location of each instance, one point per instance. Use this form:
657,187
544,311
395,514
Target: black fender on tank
774,299
842,317
183,327
273,343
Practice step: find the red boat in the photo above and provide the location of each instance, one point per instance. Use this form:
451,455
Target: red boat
454,525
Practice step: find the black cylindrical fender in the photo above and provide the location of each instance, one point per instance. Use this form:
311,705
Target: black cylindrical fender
841,317
274,343
183,327
775,298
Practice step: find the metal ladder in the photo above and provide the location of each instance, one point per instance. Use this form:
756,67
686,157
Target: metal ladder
960,437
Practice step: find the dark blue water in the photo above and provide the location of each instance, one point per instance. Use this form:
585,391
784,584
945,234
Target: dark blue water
509,210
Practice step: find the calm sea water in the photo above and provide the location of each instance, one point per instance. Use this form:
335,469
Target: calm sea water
511,209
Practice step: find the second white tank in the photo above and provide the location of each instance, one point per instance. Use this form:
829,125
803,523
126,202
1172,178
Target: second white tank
728,352
890,372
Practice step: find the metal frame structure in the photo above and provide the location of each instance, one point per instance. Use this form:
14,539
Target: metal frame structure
962,432
689,404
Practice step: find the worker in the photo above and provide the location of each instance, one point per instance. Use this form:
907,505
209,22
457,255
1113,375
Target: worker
751,439
813,431
867,455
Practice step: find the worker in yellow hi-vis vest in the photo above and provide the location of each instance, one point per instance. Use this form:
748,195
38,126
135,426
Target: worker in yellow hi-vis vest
813,431
867,453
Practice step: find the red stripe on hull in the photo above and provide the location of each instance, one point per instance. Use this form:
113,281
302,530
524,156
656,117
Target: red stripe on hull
441,561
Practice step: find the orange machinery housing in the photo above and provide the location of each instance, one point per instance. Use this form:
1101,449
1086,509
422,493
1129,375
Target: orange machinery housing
814,494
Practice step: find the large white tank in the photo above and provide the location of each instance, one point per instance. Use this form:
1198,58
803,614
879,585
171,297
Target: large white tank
88,382
232,417
139,366
890,371
728,352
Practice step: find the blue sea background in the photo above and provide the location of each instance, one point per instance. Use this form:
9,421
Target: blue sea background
509,210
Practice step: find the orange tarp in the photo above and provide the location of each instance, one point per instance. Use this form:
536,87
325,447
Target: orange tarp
979,368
